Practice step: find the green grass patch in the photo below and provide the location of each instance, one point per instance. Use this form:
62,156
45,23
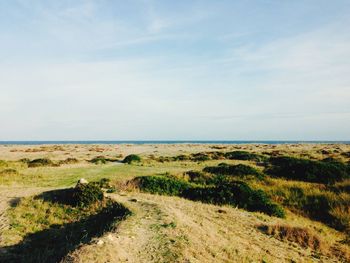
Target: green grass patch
243,155
132,158
327,172
240,170
46,229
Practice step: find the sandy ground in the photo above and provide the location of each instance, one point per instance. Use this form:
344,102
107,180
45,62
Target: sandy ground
82,152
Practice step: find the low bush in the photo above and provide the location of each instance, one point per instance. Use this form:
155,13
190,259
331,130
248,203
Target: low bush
315,201
199,177
85,195
300,235
3,163
132,158
98,160
9,172
235,194
306,170
243,155
200,157
69,161
233,170
162,185
40,162
224,192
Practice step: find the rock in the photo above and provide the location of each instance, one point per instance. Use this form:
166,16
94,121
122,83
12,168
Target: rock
82,181
100,242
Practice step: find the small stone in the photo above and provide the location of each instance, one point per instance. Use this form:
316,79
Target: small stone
100,242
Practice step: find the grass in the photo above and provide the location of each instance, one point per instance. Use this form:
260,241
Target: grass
300,235
326,172
45,229
315,201
238,170
306,238
222,192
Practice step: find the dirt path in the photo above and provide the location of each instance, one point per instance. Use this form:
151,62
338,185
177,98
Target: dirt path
171,229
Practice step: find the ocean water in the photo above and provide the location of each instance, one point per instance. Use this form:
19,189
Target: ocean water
167,142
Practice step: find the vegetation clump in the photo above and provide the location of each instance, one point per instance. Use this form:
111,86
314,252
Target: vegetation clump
40,162
223,192
98,160
327,172
8,172
199,177
243,155
233,170
132,158
69,161
162,185
85,195
235,194
46,230
300,235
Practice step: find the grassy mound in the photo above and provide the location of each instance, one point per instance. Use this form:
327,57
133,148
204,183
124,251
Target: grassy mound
299,235
243,155
223,192
132,158
8,171
240,170
46,228
235,194
99,160
310,171
162,185
199,177
69,161
40,162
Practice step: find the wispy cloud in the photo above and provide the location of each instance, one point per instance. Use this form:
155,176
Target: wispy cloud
166,70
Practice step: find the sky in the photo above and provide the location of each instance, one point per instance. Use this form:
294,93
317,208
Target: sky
175,70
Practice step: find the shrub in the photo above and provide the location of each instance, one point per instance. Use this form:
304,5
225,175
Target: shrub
307,170
40,162
243,155
200,157
181,157
299,235
199,177
235,194
69,161
3,163
85,195
233,170
132,158
98,160
8,172
162,185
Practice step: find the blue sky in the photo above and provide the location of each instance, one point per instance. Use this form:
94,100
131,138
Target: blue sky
264,70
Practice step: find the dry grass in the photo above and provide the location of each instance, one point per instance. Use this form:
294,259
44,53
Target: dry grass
299,235
306,239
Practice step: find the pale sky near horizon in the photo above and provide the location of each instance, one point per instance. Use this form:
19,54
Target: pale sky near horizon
138,69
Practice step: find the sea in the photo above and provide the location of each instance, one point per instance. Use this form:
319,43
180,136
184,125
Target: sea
172,142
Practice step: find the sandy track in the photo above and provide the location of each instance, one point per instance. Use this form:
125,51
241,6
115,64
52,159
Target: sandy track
171,229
